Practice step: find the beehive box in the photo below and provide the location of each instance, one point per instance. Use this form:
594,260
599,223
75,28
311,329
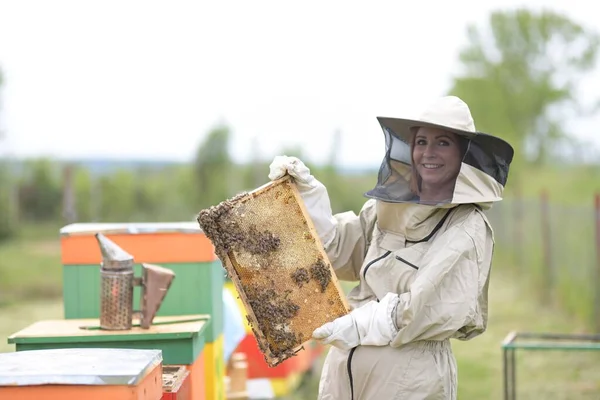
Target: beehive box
176,383
273,255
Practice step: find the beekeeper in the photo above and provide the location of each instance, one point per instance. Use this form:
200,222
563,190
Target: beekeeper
421,251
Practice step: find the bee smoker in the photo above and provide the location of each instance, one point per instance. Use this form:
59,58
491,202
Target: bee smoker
117,283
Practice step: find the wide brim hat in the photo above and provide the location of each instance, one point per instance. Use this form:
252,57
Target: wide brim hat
487,156
448,113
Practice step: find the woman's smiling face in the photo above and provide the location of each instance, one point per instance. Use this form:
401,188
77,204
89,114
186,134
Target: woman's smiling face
436,156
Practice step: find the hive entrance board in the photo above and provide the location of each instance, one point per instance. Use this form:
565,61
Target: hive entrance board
273,255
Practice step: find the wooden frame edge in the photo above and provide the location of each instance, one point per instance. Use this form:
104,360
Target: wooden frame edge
321,247
272,360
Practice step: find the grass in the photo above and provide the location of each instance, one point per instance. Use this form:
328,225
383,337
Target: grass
558,257
31,282
30,265
15,317
540,374
575,185
547,375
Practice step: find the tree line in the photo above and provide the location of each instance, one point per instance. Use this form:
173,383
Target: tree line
521,73
45,190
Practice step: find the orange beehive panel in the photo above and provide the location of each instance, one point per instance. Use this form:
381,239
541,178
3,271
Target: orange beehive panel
149,389
270,249
157,243
197,379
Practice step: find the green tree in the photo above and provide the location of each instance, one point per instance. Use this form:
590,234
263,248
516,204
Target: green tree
8,215
337,188
40,192
255,173
158,197
212,169
8,209
117,195
175,189
520,76
83,194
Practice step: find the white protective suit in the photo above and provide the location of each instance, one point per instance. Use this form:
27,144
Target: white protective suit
423,272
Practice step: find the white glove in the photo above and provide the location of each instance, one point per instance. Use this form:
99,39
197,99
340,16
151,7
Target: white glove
312,191
369,325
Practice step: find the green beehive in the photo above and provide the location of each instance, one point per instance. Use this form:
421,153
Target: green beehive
181,340
180,247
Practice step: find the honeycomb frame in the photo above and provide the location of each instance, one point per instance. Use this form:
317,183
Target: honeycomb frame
316,295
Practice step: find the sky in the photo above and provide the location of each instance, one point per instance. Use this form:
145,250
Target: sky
148,79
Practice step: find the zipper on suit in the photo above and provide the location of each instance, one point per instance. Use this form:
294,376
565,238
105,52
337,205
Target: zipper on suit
349,362
349,367
387,253
406,262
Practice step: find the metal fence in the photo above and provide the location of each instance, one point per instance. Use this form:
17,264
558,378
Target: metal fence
556,248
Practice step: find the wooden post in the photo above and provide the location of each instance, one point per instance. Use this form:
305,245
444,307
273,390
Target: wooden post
547,267
69,211
518,229
597,269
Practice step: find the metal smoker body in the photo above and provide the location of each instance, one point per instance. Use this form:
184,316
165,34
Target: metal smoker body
117,283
